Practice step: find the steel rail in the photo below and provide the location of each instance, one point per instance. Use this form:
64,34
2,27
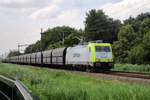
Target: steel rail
134,72
129,74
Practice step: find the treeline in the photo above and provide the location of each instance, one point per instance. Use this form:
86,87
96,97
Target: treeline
133,45
130,39
56,37
98,26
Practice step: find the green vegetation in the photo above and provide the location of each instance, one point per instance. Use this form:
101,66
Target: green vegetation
133,45
99,26
50,84
59,36
13,53
132,68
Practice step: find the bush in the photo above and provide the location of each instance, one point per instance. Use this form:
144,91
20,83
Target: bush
133,45
132,68
136,55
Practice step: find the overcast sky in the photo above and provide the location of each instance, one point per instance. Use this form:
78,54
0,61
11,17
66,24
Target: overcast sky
21,20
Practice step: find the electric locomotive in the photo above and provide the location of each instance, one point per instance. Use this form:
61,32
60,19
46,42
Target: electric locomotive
94,55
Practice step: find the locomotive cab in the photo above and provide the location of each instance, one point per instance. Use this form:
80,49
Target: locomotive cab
101,55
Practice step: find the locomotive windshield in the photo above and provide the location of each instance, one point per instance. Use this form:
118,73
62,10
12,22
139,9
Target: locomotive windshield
102,49
103,52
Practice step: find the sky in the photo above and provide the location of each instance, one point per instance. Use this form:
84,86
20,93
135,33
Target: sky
22,20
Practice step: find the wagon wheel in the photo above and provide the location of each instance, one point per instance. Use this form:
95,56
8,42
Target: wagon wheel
88,69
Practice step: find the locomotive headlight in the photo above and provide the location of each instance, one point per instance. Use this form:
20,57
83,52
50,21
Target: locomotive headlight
110,60
98,64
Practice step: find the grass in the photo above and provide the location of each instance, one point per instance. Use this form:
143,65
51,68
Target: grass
132,68
50,84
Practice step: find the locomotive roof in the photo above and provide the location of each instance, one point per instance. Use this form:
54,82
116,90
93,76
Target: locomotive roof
99,44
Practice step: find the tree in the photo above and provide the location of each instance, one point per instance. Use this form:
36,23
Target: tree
127,36
145,26
55,37
146,43
33,47
143,16
56,34
99,26
133,22
141,53
133,45
136,55
126,39
130,20
13,53
73,39
29,49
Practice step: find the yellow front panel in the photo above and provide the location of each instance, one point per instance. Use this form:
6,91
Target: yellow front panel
93,50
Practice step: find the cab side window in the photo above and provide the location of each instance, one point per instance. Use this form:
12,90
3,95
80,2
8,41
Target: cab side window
89,49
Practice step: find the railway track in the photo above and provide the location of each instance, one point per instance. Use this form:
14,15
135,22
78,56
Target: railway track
133,77
128,74
138,75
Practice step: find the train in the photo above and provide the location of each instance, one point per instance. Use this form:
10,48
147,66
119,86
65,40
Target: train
90,56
